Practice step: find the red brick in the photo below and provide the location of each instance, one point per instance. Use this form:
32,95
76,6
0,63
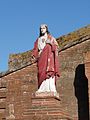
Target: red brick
22,83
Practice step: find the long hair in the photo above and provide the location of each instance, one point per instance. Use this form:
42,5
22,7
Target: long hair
46,31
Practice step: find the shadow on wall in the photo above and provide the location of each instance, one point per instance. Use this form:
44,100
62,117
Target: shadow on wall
81,92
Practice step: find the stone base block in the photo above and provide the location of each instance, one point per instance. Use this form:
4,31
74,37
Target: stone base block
47,99
46,106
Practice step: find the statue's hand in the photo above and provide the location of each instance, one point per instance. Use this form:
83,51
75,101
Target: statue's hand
33,58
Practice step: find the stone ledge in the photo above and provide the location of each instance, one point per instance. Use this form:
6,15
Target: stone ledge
46,95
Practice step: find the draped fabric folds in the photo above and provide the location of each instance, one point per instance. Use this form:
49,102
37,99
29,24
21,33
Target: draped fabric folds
47,61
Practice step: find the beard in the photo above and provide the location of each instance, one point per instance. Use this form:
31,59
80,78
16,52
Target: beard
42,34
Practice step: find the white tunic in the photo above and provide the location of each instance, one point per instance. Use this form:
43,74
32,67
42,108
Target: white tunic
41,43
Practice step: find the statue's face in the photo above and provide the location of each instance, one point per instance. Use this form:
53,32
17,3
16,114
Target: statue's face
43,29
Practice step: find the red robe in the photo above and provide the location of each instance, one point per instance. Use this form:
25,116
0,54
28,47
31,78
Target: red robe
47,62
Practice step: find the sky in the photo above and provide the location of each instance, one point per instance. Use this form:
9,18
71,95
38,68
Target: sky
20,21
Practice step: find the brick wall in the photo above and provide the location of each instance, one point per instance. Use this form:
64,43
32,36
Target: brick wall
87,72
3,91
73,86
22,83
